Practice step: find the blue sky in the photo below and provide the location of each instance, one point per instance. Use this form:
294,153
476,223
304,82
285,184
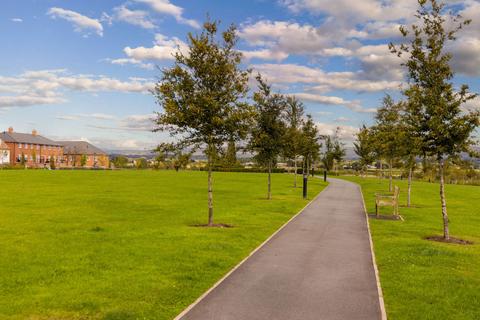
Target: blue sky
81,69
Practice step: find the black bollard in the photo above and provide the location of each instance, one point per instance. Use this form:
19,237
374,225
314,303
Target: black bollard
305,181
325,176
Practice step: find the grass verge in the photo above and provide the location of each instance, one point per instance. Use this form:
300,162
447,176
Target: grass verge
424,279
121,245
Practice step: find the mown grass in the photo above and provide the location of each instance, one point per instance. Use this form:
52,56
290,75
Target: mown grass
120,245
423,279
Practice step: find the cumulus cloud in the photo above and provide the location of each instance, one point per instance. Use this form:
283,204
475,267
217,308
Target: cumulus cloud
335,101
321,81
47,87
166,7
346,133
135,17
164,49
80,22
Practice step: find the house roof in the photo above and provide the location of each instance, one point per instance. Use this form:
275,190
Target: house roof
3,146
17,137
80,147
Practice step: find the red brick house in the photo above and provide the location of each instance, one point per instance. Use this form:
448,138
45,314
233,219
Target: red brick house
94,157
34,148
4,153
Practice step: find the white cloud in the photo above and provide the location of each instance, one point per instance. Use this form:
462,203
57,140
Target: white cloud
47,87
166,7
321,81
16,20
135,17
335,101
163,49
125,61
80,22
345,133
264,54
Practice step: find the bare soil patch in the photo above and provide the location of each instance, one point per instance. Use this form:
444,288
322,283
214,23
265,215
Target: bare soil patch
451,240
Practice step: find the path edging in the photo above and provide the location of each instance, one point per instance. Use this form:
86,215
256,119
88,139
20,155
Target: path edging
375,267
206,293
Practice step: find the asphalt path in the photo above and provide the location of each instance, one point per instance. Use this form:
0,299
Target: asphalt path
318,267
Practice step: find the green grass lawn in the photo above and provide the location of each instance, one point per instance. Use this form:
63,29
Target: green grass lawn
423,279
119,245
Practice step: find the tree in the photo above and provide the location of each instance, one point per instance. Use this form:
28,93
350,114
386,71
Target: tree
229,158
141,163
52,163
120,161
177,157
363,147
435,106
386,132
309,145
83,160
334,150
294,112
266,138
203,96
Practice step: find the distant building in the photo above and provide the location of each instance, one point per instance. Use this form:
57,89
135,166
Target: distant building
4,154
33,148
94,157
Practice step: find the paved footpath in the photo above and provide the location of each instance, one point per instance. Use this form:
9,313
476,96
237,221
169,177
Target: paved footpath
318,267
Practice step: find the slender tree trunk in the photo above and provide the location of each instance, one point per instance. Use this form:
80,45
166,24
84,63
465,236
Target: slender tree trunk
269,196
446,233
410,173
381,170
210,192
390,183
296,169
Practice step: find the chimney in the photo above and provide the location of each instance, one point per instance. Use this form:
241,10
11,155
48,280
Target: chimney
34,132
10,130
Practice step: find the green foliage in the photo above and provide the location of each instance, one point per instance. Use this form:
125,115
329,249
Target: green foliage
120,162
434,106
52,163
141,163
23,160
266,138
334,150
172,156
294,112
83,160
364,147
309,143
203,94
99,229
229,157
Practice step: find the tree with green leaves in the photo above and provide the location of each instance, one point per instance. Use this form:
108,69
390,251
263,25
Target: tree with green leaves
229,156
141,163
177,157
386,133
203,96
23,159
309,145
334,151
363,147
120,161
83,160
52,163
266,137
294,113
434,105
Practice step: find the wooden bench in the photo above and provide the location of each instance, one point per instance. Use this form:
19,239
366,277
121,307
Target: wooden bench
388,200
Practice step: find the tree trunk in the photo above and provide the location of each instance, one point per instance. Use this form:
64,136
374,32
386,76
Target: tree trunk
381,170
390,183
410,173
296,169
269,196
210,193
446,233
